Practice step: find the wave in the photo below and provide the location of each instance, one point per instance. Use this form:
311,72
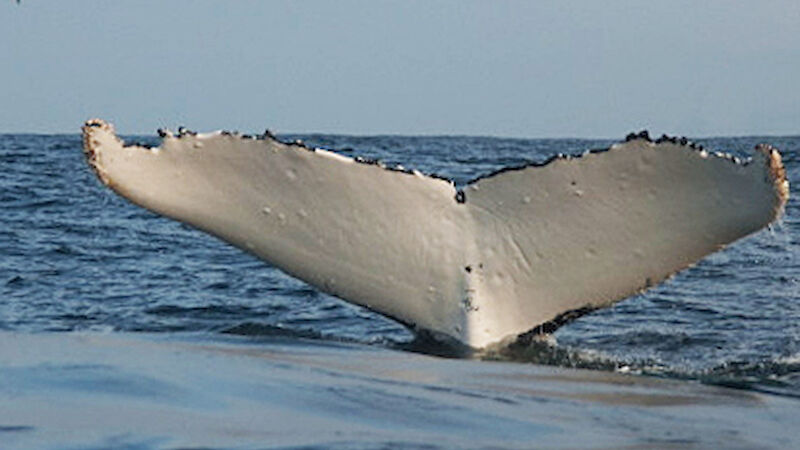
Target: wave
778,375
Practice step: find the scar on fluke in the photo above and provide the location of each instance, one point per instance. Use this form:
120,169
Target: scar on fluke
407,244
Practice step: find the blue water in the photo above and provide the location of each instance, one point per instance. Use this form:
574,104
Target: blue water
75,257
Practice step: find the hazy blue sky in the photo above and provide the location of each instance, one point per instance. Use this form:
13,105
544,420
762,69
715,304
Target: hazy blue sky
535,69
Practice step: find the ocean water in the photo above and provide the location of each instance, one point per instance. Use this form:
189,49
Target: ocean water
104,295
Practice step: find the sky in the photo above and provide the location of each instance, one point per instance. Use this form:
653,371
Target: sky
590,69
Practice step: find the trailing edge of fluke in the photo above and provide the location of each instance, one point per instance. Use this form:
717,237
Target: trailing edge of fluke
518,252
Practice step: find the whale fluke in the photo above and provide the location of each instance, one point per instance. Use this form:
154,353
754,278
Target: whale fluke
519,251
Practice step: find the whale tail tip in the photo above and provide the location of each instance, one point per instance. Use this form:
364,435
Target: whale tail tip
517,252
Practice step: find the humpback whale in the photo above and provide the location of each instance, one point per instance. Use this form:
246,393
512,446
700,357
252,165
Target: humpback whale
514,253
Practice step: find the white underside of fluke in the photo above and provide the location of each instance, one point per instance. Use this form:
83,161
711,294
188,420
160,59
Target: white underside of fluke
526,248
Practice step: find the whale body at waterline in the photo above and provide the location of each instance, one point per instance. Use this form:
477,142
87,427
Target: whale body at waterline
517,252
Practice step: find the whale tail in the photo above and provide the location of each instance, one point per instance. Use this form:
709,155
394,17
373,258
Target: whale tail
522,250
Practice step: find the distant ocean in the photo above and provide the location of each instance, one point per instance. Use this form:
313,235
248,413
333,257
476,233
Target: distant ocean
83,269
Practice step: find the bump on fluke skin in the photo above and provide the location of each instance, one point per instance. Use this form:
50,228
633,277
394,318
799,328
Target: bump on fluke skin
544,242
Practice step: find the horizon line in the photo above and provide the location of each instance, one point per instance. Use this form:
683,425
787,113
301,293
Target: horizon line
429,135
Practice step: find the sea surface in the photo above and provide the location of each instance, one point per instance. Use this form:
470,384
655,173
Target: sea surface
122,329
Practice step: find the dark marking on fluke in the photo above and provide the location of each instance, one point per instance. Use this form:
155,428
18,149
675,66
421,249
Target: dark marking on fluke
644,134
298,143
460,196
551,326
183,131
